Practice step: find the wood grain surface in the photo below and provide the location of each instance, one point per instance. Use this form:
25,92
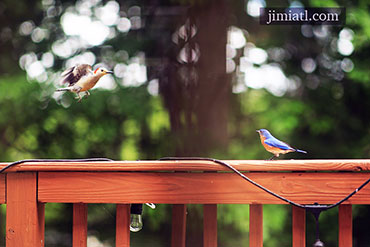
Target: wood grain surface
298,227
79,232
345,226
256,225
210,225
199,188
123,225
24,216
183,165
178,233
2,189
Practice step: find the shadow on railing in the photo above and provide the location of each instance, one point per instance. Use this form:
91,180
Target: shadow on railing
26,187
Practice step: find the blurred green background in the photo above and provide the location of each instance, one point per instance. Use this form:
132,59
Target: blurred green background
191,78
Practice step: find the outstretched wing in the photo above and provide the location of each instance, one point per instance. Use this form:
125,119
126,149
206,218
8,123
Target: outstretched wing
74,74
278,144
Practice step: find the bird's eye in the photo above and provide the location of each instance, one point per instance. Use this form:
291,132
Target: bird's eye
101,70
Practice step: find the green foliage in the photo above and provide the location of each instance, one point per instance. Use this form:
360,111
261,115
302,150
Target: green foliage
112,124
327,115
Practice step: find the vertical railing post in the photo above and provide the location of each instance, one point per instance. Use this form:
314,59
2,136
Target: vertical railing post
2,201
210,225
79,235
123,225
24,215
256,225
345,225
178,235
41,223
298,226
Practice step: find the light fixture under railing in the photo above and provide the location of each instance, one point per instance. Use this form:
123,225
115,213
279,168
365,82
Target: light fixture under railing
136,220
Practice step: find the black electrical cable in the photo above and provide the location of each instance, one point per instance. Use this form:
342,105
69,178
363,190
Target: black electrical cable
53,160
313,208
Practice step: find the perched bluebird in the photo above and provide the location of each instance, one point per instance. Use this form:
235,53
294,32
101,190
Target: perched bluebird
274,145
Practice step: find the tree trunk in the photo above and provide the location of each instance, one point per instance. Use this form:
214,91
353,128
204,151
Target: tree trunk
195,87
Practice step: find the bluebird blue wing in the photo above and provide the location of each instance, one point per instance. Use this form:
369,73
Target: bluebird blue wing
278,144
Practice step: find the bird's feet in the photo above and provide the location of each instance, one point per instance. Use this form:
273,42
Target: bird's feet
272,157
79,98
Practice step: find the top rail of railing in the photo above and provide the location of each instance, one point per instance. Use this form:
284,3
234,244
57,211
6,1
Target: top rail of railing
354,165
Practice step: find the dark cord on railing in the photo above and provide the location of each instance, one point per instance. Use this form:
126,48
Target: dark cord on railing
53,160
315,208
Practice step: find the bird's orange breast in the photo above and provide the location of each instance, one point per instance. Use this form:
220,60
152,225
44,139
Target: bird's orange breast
271,149
87,83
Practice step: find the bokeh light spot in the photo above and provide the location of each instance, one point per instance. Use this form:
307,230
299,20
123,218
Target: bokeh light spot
308,65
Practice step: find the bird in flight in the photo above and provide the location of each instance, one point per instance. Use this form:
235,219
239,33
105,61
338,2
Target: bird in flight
81,78
274,145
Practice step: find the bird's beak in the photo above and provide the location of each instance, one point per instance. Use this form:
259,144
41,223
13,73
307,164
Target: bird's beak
109,72
258,131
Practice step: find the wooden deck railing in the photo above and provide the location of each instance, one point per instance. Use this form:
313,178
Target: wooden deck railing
27,187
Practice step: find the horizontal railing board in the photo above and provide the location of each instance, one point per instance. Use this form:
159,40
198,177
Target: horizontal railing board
196,165
199,188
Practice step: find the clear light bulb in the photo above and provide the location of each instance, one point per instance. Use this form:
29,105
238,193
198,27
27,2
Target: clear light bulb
136,221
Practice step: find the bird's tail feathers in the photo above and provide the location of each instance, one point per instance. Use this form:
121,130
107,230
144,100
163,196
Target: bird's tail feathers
63,89
300,151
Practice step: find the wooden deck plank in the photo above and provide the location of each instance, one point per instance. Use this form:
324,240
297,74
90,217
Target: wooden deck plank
345,226
79,235
210,225
123,225
178,234
199,188
24,216
298,227
256,225
242,165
